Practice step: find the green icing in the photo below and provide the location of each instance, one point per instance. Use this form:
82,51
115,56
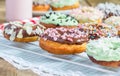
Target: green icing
62,3
58,19
104,49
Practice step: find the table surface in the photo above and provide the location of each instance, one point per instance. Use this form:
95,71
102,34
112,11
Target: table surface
7,69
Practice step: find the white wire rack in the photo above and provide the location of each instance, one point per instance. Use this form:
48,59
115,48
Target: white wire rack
31,52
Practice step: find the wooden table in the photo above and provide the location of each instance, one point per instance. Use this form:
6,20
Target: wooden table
7,69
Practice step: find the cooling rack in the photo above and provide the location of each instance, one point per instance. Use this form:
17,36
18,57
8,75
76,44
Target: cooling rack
31,52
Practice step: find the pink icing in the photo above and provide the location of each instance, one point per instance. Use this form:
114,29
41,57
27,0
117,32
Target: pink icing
2,27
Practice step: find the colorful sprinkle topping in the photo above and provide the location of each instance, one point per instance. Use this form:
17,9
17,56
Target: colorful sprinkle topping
65,35
96,31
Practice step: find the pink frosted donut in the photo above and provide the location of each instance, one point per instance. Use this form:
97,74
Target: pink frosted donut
64,40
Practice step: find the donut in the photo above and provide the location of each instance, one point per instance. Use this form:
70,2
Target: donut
55,19
87,15
114,21
22,32
58,5
40,5
63,40
109,9
104,51
97,31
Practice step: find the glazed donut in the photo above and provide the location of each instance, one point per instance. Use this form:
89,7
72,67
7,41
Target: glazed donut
105,51
22,32
54,19
40,6
64,4
97,31
109,9
114,21
87,15
63,40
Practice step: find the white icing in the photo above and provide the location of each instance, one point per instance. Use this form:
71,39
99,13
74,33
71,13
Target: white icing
28,28
20,35
13,27
29,24
6,30
16,23
39,30
12,37
9,31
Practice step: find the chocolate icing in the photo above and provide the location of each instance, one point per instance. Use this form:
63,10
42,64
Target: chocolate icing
24,33
22,30
73,36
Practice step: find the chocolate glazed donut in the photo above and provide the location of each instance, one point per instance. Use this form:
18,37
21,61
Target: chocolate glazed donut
19,32
63,40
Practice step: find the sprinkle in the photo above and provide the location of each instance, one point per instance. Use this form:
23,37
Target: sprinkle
58,18
69,34
87,14
70,39
99,30
53,19
58,25
55,38
109,9
66,21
